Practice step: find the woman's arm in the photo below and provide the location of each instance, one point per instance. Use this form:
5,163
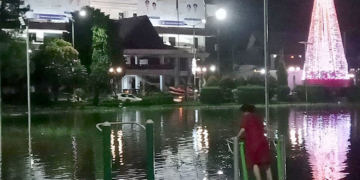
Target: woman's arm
242,130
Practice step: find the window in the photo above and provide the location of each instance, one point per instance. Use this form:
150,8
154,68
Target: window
134,14
121,15
172,41
196,43
131,96
123,95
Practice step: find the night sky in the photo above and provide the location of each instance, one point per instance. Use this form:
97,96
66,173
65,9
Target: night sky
291,16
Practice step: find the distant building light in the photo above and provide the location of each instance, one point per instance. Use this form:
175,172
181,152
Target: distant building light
298,69
274,55
291,69
351,75
292,57
300,56
262,71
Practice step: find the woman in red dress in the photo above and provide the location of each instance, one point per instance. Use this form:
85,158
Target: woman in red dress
257,151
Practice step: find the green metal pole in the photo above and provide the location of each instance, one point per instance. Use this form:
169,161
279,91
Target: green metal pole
279,159
150,162
106,149
243,161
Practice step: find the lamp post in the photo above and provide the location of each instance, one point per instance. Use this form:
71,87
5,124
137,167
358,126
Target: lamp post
82,13
220,15
114,71
28,50
194,64
202,70
306,86
266,57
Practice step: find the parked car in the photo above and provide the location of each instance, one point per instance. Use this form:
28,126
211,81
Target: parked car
128,97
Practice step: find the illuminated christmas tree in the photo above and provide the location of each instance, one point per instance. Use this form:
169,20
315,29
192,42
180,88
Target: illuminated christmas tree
325,62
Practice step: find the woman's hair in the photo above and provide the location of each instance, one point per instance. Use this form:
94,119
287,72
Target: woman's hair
248,108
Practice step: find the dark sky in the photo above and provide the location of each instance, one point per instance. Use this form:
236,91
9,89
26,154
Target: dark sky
291,16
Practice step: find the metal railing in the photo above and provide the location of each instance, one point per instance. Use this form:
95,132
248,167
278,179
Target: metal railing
280,156
106,130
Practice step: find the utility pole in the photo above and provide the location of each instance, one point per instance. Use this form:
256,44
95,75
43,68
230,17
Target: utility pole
266,56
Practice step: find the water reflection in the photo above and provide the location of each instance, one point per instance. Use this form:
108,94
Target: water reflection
326,138
189,144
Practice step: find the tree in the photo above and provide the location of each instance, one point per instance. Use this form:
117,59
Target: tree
57,65
100,63
281,72
9,13
84,29
13,59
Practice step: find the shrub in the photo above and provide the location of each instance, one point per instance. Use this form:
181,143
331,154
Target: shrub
79,95
240,82
227,84
111,103
283,93
157,99
211,95
353,94
41,98
315,93
250,94
212,81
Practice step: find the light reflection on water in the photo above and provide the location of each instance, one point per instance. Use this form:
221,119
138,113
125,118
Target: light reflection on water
189,144
326,137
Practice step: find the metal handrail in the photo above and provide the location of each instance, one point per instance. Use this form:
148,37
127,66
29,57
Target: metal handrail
117,123
281,155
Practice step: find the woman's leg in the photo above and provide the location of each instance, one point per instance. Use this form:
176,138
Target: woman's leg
268,173
257,172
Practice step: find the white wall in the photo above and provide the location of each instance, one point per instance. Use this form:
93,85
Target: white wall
114,7
298,78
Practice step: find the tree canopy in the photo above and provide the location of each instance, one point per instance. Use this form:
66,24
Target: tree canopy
9,12
56,65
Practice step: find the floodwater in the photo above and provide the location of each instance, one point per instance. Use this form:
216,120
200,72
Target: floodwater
321,143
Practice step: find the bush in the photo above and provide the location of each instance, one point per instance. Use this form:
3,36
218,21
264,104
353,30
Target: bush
79,95
212,81
156,99
353,94
211,95
283,93
240,82
111,103
250,94
227,85
315,93
41,98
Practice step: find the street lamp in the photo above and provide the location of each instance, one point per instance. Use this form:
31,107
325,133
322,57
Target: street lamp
306,86
22,22
113,71
118,70
212,68
83,14
220,15
194,64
